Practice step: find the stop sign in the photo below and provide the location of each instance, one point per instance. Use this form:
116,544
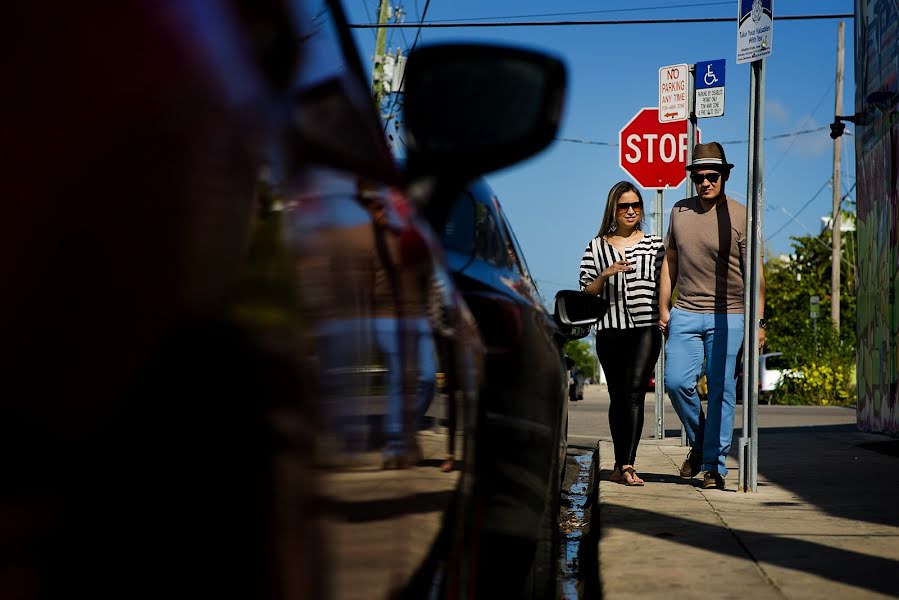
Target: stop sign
653,153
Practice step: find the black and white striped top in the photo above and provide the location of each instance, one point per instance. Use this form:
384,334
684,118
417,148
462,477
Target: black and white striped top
633,296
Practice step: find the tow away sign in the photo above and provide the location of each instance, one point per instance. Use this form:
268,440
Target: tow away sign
710,88
673,93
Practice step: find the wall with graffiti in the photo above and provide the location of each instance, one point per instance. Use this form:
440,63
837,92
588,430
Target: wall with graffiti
877,152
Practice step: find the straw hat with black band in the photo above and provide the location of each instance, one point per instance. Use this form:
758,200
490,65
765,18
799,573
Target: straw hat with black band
709,156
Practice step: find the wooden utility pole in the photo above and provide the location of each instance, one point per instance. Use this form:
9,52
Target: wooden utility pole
835,219
377,76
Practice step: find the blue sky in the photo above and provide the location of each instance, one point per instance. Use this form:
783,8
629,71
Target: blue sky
555,200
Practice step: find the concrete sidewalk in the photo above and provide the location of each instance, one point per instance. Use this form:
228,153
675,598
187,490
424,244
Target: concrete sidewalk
823,524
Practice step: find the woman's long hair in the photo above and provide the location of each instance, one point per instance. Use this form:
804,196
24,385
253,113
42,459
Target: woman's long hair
609,223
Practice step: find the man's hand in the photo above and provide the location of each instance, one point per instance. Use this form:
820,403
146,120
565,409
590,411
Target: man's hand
664,317
761,338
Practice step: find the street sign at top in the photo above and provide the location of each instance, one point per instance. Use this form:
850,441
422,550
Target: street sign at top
755,29
673,93
654,153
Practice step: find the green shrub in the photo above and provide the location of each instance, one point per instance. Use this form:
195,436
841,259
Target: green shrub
817,384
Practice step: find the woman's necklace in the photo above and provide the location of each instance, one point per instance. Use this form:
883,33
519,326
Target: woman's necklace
619,244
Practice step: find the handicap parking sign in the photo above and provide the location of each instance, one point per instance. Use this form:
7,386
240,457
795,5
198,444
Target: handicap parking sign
709,88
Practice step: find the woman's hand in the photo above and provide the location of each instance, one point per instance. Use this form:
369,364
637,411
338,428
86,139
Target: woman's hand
619,266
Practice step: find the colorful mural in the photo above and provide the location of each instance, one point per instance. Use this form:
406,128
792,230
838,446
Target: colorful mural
877,155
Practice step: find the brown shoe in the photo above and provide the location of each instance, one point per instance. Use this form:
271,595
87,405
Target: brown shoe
449,464
712,479
692,465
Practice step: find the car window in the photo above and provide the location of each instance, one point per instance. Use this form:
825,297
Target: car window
472,228
516,254
776,362
458,233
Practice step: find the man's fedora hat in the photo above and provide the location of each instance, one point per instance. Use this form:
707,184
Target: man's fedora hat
709,156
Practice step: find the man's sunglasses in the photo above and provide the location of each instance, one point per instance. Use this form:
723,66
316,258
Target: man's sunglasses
623,206
698,178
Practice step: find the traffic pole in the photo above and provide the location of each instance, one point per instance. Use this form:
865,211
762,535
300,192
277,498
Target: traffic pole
749,445
660,363
691,140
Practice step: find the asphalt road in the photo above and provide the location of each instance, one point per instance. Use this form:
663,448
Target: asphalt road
588,419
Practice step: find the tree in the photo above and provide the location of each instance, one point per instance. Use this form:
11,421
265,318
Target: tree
824,357
582,355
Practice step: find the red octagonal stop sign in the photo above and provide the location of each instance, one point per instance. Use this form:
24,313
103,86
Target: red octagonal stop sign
653,153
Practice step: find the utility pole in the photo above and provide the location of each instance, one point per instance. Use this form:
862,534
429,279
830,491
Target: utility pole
835,219
377,84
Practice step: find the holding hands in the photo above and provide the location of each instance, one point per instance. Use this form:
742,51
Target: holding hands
664,317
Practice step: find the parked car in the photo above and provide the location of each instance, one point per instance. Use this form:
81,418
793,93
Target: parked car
772,370
524,397
204,199
772,367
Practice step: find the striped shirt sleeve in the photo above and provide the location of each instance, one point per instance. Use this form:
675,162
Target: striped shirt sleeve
589,270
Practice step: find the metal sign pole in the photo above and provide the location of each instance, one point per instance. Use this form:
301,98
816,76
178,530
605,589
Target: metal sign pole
691,140
660,363
755,184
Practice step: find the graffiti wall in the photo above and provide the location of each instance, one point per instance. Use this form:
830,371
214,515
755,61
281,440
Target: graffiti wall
877,136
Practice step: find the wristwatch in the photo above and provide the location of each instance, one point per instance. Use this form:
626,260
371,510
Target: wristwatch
762,323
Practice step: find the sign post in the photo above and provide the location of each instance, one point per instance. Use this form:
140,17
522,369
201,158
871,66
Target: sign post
660,363
755,22
813,303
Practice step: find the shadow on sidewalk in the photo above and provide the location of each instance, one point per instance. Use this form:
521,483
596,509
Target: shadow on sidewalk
836,468
844,566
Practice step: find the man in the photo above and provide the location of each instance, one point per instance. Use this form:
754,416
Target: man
706,261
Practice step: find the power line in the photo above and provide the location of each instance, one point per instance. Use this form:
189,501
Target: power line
811,115
591,142
369,14
436,25
773,137
586,12
804,206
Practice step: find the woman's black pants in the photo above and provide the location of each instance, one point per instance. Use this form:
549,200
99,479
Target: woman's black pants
628,357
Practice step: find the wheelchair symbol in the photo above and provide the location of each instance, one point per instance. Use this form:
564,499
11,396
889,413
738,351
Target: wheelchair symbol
710,77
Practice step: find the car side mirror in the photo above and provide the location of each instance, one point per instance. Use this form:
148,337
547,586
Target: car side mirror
574,312
472,108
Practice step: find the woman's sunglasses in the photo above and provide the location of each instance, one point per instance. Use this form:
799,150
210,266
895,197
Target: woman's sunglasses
623,206
698,178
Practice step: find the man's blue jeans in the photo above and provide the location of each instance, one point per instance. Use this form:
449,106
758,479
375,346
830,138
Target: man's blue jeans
406,344
718,337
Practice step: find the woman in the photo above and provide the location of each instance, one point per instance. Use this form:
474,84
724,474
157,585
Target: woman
622,264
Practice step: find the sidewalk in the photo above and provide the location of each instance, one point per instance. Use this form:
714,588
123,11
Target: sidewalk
823,524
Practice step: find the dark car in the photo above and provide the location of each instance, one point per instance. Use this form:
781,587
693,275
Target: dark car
222,306
524,399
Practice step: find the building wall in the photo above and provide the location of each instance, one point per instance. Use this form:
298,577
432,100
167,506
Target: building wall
876,138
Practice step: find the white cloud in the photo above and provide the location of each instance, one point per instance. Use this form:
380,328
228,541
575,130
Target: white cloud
806,145
777,111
